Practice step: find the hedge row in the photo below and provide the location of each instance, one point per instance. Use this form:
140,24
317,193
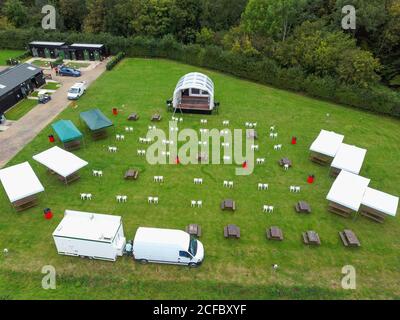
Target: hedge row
115,60
376,98
16,60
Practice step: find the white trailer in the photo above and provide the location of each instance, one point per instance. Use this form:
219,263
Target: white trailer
167,246
92,235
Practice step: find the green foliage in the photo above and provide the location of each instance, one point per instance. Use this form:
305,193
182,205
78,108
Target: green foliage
115,60
16,12
205,36
16,60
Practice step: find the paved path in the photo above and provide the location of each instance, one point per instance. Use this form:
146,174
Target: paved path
28,127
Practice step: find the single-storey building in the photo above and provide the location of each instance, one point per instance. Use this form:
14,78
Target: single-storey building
46,49
18,82
194,92
87,51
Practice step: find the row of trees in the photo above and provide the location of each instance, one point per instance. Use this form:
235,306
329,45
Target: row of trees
303,34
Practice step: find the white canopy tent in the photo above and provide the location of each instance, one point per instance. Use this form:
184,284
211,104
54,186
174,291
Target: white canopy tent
21,185
327,143
349,158
376,204
347,192
196,85
62,162
94,235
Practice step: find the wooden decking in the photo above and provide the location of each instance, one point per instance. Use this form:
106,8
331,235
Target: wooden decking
194,103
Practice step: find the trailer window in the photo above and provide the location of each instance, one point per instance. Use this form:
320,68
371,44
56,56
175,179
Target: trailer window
193,246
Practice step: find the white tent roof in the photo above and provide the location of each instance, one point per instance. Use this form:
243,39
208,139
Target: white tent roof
88,226
60,161
197,81
349,158
327,143
348,190
381,201
20,181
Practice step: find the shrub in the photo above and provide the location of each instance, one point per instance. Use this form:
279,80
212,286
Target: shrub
16,60
115,60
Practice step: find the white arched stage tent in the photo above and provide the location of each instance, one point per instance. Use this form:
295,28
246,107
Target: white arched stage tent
194,92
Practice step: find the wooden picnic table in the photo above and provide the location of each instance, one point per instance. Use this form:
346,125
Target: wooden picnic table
232,231
194,230
252,134
228,204
303,207
133,117
202,157
131,174
156,117
285,161
25,203
311,237
349,238
274,233
72,145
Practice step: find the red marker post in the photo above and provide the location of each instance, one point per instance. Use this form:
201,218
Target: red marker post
115,111
294,140
310,179
51,138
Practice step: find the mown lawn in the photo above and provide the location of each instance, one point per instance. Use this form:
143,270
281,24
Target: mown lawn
232,269
20,109
6,54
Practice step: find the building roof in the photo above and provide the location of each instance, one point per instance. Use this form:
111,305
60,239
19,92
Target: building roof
95,119
13,77
88,226
47,43
20,181
381,201
349,158
66,130
60,161
86,45
327,143
348,190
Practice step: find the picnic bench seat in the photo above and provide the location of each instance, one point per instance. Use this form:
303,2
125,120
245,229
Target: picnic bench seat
193,230
228,204
72,145
25,203
274,233
133,117
285,161
320,159
131,174
232,231
312,238
349,239
156,117
99,134
302,207
71,178
339,210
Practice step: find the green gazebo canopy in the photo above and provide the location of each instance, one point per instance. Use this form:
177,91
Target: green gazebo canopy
95,120
66,130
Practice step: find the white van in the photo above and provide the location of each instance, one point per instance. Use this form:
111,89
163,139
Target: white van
167,246
77,90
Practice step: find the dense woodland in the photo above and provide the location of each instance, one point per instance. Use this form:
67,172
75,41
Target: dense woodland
304,36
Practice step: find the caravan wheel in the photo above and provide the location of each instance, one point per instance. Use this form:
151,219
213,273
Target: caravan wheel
193,265
143,261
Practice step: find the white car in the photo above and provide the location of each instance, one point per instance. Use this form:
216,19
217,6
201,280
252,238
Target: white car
77,90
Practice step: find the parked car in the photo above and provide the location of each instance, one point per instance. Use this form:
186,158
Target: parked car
69,72
77,90
43,97
167,246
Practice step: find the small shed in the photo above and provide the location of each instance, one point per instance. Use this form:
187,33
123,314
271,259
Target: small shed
64,164
87,51
97,123
68,134
349,158
17,83
21,185
346,193
377,205
46,49
325,147
92,235
194,92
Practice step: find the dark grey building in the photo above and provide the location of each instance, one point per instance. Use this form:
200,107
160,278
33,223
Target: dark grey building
49,50
18,82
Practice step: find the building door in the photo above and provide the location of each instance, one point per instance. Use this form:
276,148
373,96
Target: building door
47,53
61,54
73,55
97,55
35,52
86,55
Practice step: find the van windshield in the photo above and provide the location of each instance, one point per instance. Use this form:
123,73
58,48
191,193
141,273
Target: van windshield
193,246
73,90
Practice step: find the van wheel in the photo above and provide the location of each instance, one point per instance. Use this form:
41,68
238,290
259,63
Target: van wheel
193,265
143,261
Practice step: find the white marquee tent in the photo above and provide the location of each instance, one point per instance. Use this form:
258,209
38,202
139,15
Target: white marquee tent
380,202
349,158
62,162
197,85
327,143
21,185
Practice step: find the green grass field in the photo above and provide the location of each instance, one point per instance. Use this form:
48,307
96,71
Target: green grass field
51,86
20,109
232,269
6,54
